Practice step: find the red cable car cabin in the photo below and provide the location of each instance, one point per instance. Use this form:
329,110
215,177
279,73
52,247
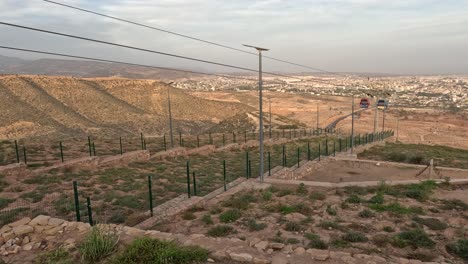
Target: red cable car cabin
365,103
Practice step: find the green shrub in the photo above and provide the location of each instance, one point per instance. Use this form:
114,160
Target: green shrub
356,190
454,204
459,248
329,225
221,231
117,217
315,241
354,199
388,229
344,205
293,227
396,208
34,196
4,202
254,226
301,189
317,196
98,244
292,241
330,210
397,157
339,243
242,202
302,208
425,257
366,213
188,215
267,195
56,256
206,219
431,223
284,192
377,199
230,216
354,237
148,250
129,201
415,238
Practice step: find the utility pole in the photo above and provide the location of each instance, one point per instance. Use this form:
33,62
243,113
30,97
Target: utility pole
269,101
397,127
170,117
383,120
376,117
260,103
352,124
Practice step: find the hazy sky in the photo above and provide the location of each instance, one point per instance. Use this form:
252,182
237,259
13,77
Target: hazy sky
391,36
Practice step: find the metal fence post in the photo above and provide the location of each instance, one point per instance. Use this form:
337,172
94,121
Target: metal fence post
233,137
210,138
269,164
17,152
150,194
284,156
339,143
165,143
224,174
224,140
77,201
326,147
247,164
90,212
94,149
121,147
334,148
194,184
188,179
25,157
61,151
245,136
90,147
308,150
250,169
298,157
198,141
319,154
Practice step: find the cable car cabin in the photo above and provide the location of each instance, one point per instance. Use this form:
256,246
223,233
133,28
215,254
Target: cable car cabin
382,104
365,103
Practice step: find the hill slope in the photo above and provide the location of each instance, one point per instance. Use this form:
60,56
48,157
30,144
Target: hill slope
41,105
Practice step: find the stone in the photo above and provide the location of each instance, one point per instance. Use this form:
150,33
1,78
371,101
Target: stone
260,260
53,231
319,254
349,260
27,247
278,259
21,222
295,217
415,261
25,240
241,257
5,229
210,260
338,254
287,249
277,246
22,230
41,220
300,251
403,261
262,245
269,251
219,254
2,241
379,259
55,221
254,241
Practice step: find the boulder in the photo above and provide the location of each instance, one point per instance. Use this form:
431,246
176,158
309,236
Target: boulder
277,246
262,245
300,251
260,260
21,222
278,259
241,257
41,220
22,230
55,222
5,229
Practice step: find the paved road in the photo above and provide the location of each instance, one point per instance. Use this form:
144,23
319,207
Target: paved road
333,124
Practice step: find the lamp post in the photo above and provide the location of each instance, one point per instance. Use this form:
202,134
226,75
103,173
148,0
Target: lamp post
260,104
170,115
269,102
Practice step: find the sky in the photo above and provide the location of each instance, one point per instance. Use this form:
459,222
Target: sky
378,36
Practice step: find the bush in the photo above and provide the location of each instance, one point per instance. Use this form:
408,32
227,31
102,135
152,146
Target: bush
339,243
4,202
459,248
377,199
283,192
57,256
315,241
317,196
388,229
221,231
396,208
148,250
366,213
397,157
293,227
425,257
188,215
98,244
254,226
241,203
354,237
329,225
292,241
431,223
454,204
415,238
117,217
301,189
230,216
267,195
206,219
354,199
330,210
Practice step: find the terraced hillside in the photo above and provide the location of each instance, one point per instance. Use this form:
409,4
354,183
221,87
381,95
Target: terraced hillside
42,105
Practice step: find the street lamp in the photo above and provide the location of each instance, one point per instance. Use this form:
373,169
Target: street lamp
260,104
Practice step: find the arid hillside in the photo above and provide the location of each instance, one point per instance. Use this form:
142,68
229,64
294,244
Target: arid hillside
43,105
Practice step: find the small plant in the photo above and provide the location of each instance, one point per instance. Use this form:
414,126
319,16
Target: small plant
292,241
354,199
317,196
415,238
344,205
458,248
56,256
216,210
4,202
206,219
315,241
331,210
366,213
188,215
339,243
425,257
377,199
148,250
354,237
431,223
381,240
221,231
454,204
329,225
98,244
242,202
396,208
254,226
293,227
388,229
301,189
283,192
230,216
267,195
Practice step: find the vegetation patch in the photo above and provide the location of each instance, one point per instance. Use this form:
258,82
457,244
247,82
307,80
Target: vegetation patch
254,226
366,213
354,237
459,248
431,223
454,204
396,208
221,231
230,216
415,238
315,241
56,256
148,250
98,244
